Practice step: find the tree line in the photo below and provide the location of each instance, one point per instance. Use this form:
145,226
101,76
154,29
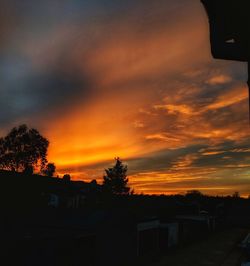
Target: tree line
25,150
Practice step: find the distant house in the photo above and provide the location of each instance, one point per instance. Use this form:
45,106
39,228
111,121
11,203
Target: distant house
169,236
35,191
148,235
154,236
192,227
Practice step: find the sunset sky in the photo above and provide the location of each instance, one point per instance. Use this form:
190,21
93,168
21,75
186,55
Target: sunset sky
128,78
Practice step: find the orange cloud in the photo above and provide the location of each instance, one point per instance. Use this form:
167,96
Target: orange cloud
212,153
172,109
219,79
233,96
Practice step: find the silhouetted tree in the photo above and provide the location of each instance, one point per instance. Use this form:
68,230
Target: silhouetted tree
194,195
93,182
115,180
23,148
66,178
236,195
49,169
28,170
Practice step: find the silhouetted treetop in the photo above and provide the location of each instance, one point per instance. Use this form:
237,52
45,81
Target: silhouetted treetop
194,194
23,148
236,194
66,178
49,169
115,180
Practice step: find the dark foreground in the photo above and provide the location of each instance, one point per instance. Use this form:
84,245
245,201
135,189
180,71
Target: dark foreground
220,249
54,222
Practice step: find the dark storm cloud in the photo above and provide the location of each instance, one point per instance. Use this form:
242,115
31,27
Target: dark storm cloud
209,90
27,92
26,28
43,14
161,160
226,155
